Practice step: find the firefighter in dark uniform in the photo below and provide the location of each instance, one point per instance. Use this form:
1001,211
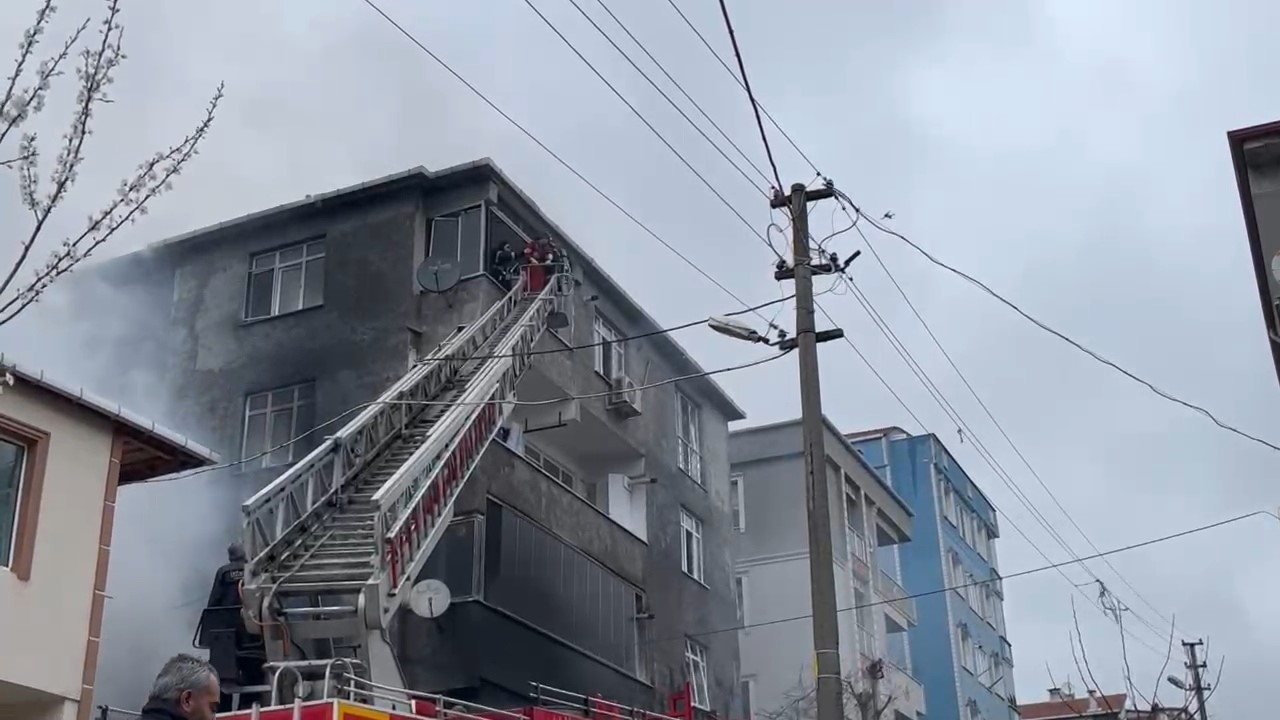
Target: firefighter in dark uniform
232,647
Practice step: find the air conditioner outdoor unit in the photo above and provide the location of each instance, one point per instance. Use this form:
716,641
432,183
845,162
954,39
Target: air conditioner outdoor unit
624,398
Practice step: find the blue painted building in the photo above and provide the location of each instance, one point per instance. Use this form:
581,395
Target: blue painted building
960,649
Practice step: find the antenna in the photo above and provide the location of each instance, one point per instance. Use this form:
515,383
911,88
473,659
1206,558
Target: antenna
430,598
437,276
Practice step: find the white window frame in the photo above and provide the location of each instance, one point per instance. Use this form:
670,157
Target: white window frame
606,336
948,501
455,217
689,449
957,573
737,502
695,664
741,586
691,539
272,262
966,647
266,460
6,561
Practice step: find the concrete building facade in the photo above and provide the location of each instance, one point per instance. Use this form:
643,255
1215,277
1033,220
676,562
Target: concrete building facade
962,652
63,456
591,550
870,524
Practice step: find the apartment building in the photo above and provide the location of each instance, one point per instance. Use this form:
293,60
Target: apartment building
589,550
962,651
64,453
1255,156
871,526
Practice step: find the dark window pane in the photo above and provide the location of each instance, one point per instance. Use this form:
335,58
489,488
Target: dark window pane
453,560
290,289
264,261
12,458
472,244
290,255
255,435
313,287
281,433
258,402
260,286
444,239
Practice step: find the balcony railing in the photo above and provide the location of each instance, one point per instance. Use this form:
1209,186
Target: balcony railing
890,590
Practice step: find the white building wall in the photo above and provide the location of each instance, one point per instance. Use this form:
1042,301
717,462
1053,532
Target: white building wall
44,621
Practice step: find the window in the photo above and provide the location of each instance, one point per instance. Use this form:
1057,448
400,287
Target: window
737,511
966,647
688,432
695,662
948,501
983,541
691,545
983,667
23,450
285,280
456,238
997,673
740,594
957,573
611,356
272,420
748,689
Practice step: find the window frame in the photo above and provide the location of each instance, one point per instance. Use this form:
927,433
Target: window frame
741,586
967,660
277,267
695,664
747,686
737,503
691,527
610,357
455,216
26,512
689,450
265,461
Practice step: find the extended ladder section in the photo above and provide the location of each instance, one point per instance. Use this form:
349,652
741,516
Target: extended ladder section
334,542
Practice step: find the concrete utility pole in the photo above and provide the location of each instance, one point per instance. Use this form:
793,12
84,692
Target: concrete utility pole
826,629
1197,686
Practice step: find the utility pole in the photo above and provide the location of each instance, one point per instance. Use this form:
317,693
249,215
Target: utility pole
1195,666
822,582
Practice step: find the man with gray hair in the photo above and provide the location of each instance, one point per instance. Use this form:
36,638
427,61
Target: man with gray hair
186,689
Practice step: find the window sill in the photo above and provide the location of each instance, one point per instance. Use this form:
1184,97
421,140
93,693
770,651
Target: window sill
268,318
700,582
693,479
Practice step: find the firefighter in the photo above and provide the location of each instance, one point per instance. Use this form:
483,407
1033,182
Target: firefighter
233,649
226,582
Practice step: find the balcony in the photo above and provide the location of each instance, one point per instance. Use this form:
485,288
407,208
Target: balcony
859,555
906,691
890,590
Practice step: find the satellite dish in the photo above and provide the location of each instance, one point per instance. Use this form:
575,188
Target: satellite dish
557,320
430,598
1275,266
437,276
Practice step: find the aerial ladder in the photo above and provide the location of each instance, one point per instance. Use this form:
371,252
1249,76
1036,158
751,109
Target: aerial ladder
335,542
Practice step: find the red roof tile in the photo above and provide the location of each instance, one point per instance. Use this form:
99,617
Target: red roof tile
1072,708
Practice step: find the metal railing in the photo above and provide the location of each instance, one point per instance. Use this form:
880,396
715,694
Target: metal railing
891,590
414,501
106,712
279,513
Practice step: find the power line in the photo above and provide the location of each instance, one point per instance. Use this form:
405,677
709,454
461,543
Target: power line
990,415
1010,576
680,87
723,200
1062,336
554,155
990,464
740,83
746,85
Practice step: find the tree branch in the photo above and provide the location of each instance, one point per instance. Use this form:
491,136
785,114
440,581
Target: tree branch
1084,655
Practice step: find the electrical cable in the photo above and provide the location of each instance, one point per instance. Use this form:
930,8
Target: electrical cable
570,348
990,415
746,85
734,75
1010,576
723,200
984,453
1062,336
554,155
678,86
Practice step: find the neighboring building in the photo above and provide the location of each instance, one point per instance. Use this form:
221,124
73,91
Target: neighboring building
63,455
962,653
590,543
1063,704
870,523
1255,154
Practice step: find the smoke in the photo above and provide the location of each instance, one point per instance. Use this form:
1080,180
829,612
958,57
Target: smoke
93,330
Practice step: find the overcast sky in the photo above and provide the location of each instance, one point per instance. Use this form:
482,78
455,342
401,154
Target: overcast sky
1072,154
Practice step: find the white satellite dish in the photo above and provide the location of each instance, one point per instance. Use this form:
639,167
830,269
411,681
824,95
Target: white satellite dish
1275,266
430,598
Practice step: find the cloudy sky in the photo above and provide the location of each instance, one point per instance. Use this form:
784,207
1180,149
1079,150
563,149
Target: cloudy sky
1072,154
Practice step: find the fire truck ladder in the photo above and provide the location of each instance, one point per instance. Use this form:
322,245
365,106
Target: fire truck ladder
335,542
